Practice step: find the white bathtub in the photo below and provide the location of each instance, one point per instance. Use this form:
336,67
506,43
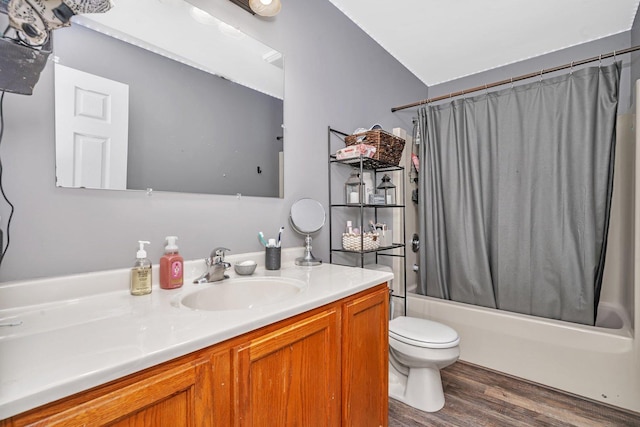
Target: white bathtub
597,362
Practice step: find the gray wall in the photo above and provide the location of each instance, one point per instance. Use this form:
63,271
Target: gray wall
335,75
189,130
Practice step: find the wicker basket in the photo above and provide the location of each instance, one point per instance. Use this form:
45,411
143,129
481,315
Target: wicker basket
351,242
388,147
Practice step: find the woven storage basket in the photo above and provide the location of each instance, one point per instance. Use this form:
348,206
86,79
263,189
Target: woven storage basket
351,242
388,147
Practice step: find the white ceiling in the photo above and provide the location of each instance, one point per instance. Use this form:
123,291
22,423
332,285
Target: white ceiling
442,40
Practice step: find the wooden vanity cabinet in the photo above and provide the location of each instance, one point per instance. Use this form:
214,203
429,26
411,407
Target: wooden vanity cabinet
325,367
365,368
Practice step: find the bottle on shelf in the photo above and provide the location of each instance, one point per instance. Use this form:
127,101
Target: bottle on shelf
369,186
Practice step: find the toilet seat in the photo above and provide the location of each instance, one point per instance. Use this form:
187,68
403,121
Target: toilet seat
422,333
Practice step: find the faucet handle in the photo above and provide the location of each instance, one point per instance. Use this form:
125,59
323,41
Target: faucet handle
218,253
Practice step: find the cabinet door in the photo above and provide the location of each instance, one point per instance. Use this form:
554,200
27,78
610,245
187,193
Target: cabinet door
223,379
365,358
291,377
175,397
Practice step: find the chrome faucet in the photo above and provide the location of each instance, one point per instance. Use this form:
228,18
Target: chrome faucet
216,266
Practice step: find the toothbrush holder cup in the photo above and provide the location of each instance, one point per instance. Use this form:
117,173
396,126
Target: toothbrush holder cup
272,258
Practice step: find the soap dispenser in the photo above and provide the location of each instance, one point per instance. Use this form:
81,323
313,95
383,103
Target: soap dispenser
171,265
141,272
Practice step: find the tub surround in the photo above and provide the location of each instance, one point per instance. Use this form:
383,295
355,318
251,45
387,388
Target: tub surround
81,331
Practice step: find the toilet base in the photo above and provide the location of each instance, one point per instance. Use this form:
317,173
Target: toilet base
421,389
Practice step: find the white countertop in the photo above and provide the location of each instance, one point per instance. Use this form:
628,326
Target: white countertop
80,331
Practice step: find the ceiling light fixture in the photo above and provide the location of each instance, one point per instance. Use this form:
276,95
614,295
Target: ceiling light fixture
265,7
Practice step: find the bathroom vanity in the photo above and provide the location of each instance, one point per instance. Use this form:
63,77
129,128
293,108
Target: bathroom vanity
318,357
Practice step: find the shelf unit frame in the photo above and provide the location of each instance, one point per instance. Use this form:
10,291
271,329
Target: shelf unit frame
363,164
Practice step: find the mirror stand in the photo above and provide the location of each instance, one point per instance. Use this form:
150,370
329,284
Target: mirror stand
307,216
308,259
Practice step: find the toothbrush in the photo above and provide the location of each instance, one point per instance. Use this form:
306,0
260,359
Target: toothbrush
280,236
261,238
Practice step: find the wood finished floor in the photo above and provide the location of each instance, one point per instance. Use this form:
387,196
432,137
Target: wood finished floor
479,397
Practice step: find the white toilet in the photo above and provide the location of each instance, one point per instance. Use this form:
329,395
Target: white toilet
418,349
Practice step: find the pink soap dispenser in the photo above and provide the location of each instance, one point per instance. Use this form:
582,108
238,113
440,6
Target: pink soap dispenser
171,265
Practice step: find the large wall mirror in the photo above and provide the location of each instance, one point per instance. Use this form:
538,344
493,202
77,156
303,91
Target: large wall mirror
158,94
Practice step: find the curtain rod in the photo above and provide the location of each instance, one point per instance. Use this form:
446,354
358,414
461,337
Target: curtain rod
515,79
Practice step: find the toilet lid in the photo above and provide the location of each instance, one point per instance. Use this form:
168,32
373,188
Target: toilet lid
423,332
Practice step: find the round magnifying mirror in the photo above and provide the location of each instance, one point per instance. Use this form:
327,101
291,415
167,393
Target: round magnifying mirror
307,216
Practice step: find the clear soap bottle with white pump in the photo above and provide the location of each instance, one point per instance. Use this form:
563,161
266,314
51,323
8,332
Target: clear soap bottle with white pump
141,272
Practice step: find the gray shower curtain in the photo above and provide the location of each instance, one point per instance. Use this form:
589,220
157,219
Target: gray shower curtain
515,193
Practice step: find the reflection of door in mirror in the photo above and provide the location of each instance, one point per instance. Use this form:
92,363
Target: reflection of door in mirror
92,125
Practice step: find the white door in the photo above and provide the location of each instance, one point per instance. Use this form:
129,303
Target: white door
92,130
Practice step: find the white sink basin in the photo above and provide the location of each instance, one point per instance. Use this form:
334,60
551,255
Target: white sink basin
243,294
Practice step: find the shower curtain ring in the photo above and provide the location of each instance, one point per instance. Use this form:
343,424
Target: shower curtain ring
511,82
600,61
571,71
486,90
540,80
